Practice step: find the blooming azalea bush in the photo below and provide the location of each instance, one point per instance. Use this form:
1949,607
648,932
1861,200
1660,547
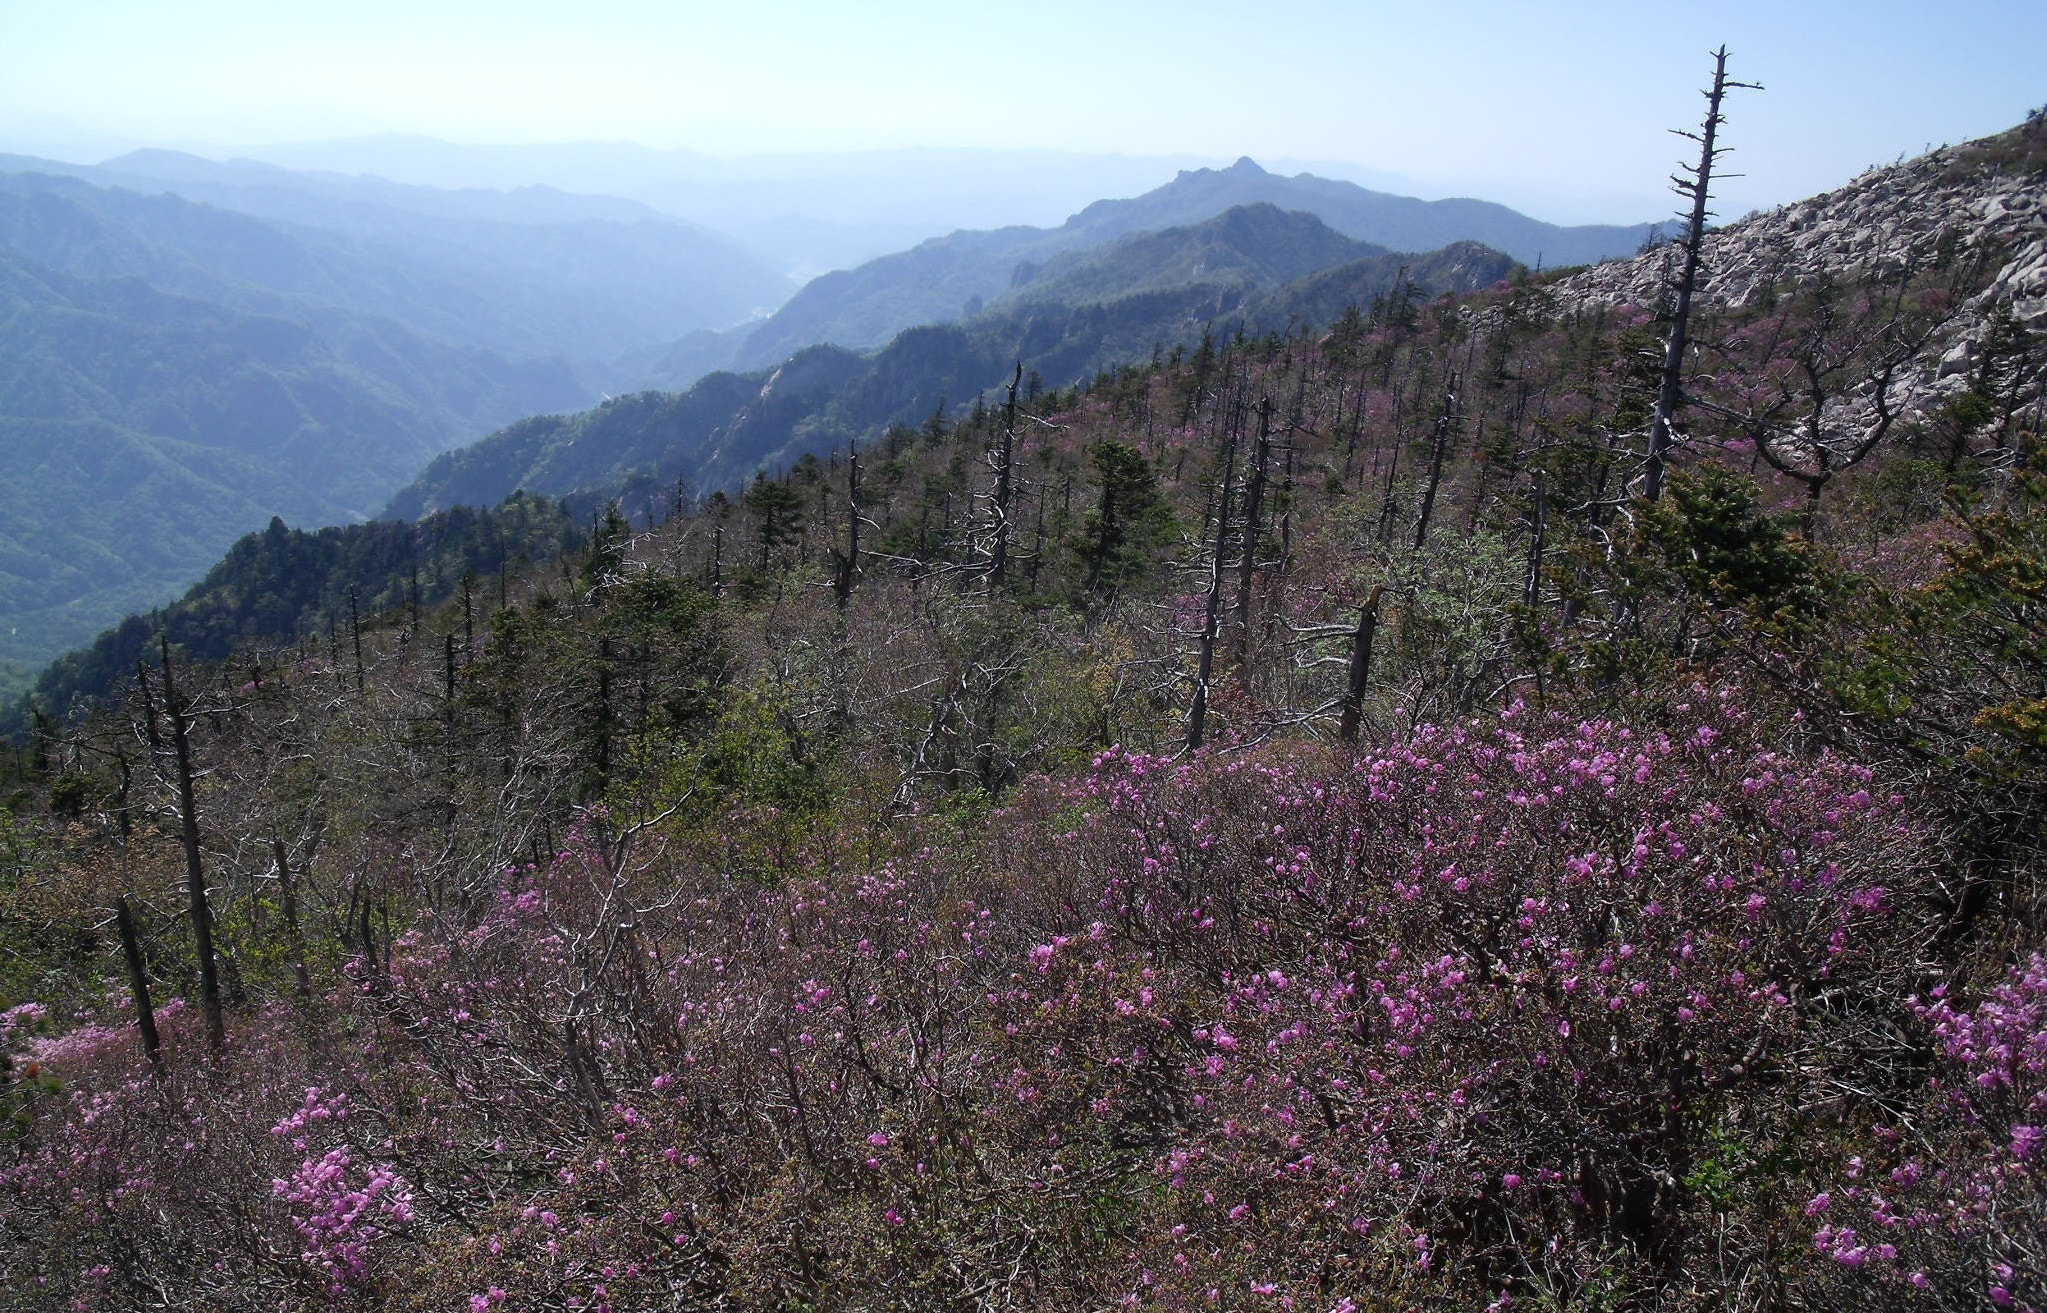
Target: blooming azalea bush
1534,1009
1947,1208
1493,984
339,1206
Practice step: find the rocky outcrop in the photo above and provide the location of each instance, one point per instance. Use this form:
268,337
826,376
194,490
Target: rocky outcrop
1987,196
1984,201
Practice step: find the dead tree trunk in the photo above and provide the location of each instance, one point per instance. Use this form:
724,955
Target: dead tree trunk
1204,670
1446,421
355,632
188,836
138,987
1531,582
1360,668
1254,532
1696,184
287,895
1005,467
849,564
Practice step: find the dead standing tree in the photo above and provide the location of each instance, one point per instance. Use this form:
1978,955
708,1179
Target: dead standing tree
1204,670
1005,469
173,755
1696,185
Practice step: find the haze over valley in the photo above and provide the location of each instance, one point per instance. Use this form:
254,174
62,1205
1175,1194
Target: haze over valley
299,343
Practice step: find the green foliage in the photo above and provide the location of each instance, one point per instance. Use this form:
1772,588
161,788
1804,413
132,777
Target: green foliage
283,585
1449,625
1991,599
1129,520
1721,546
778,511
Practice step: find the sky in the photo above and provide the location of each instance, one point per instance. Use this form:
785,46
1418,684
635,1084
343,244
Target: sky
1561,108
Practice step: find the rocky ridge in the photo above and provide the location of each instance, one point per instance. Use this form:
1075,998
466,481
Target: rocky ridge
1985,198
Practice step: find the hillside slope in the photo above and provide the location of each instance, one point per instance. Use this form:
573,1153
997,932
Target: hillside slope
1129,301
1977,211
182,359
950,277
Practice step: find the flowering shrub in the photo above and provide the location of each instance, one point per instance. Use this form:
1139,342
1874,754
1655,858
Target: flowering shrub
339,1210
1493,984
1534,1009
1949,1208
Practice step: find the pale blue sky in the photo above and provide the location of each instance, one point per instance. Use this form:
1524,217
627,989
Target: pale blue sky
1558,107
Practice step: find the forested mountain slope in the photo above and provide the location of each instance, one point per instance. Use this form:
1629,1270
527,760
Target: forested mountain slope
176,371
281,584
1298,824
523,274
950,277
1129,300
146,430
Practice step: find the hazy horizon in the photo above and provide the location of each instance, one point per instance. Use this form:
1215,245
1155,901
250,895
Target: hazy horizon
66,143
1560,112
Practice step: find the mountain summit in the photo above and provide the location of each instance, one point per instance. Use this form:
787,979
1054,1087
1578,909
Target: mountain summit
939,280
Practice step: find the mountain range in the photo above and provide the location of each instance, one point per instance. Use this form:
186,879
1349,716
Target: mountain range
197,346
530,272
145,429
1253,269
952,277
193,348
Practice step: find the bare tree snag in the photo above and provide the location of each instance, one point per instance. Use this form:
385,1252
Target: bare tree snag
1254,532
287,896
138,987
1446,423
849,563
1360,667
1197,711
355,632
1696,184
195,871
1005,469
1531,582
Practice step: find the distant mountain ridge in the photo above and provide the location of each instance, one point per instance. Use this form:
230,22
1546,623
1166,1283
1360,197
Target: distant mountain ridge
194,347
1401,223
811,211
949,278
1257,245
528,273
1255,267
240,182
